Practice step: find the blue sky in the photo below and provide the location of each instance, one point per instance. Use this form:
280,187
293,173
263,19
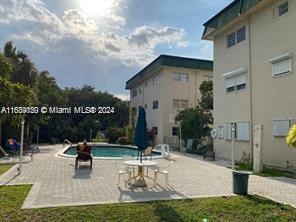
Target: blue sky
103,43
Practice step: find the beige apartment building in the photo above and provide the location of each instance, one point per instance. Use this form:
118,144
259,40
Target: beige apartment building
254,80
164,87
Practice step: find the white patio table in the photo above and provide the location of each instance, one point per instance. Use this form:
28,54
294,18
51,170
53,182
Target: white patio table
140,177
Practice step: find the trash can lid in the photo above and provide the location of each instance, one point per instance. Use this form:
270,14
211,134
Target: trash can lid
242,172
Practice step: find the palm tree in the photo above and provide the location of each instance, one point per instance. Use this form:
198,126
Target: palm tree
24,70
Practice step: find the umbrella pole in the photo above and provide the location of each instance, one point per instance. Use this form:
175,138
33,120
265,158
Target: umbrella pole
141,157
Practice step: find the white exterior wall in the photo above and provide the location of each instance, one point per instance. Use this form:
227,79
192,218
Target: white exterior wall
271,97
165,91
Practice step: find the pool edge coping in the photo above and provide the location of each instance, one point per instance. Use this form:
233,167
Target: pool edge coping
61,154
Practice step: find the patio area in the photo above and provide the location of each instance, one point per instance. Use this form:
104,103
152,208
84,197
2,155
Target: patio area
55,183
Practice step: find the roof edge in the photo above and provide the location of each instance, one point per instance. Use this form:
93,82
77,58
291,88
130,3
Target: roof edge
162,63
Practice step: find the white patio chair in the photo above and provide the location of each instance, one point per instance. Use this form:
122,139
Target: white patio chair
162,169
164,149
123,169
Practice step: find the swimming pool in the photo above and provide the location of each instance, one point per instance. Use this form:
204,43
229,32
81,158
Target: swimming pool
109,151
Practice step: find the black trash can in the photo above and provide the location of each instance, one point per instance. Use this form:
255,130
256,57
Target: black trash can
240,182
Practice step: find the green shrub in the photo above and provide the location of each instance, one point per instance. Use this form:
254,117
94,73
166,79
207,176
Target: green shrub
112,134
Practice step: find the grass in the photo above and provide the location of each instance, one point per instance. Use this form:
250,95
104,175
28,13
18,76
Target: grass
267,172
4,167
237,208
243,166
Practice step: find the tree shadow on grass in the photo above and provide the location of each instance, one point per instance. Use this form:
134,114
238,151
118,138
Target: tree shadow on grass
165,212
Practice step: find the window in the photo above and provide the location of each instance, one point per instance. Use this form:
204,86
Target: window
134,93
236,37
208,78
243,131
155,104
283,9
231,40
154,130
140,89
174,131
180,103
184,103
281,67
155,80
281,64
281,127
220,133
241,34
228,131
236,83
180,77
145,105
146,83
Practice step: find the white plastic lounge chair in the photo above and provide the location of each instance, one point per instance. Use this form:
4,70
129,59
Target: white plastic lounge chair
164,149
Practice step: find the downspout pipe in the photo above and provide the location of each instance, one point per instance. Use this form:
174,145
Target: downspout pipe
251,92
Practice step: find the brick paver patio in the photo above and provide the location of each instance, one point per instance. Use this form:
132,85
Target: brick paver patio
55,183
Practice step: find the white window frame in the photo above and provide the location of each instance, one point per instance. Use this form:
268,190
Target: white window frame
276,9
220,132
236,76
154,106
179,103
182,77
141,89
279,59
175,127
228,135
239,136
134,93
281,133
155,80
235,34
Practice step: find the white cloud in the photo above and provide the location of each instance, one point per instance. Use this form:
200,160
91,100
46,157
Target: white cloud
33,11
76,23
123,97
50,33
148,37
137,47
182,44
205,50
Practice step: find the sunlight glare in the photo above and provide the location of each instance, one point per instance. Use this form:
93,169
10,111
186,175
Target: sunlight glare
96,7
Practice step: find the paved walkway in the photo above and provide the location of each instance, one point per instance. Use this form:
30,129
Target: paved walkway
55,183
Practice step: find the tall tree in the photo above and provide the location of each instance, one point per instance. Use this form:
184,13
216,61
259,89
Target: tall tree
206,100
196,122
24,70
5,66
14,95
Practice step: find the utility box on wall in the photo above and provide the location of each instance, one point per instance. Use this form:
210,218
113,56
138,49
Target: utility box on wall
258,148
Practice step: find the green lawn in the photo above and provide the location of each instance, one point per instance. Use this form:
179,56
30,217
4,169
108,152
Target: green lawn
4,167
276,173
238,208
267,172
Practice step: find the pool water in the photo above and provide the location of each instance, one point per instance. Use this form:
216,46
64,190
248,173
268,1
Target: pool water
109,151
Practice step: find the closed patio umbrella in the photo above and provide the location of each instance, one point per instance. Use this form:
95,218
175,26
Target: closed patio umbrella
140,137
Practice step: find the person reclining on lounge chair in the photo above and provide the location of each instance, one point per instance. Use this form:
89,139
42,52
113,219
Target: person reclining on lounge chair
13,145
83,154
